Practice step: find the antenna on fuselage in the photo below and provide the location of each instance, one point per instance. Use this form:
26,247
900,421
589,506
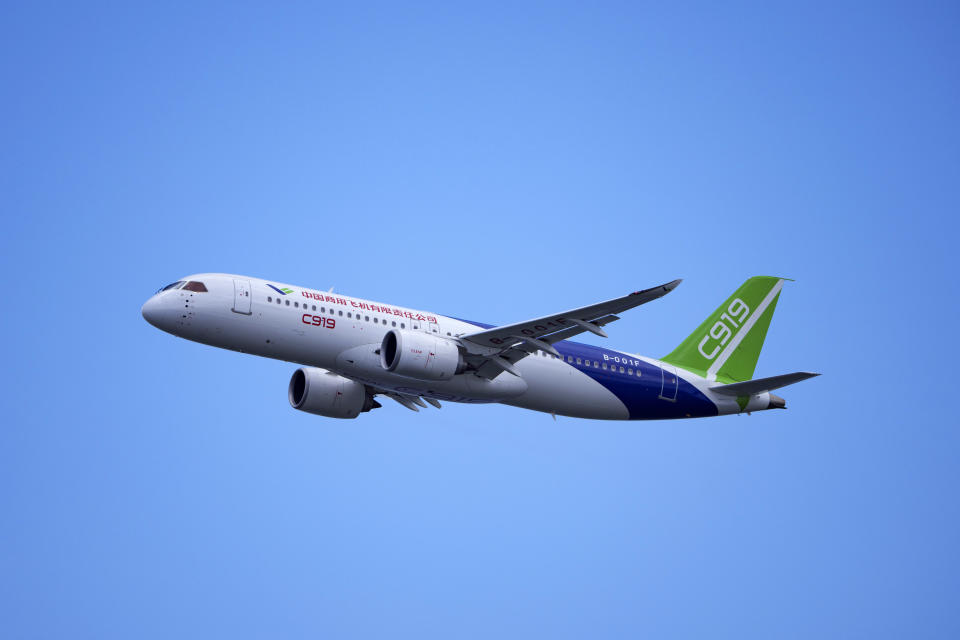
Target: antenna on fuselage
330,290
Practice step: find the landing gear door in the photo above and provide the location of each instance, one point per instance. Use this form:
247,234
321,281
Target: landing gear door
241,296
669,383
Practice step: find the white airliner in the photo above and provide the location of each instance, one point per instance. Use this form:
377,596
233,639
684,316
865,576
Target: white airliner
353,350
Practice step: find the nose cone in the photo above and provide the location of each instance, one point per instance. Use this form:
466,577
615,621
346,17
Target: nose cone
152,311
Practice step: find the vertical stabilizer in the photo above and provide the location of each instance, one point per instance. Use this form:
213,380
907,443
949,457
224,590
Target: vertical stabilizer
727,345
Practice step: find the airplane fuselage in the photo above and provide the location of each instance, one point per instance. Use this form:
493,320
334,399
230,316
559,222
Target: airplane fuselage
343,335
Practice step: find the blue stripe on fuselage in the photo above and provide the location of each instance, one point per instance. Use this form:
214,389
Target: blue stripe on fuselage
640,394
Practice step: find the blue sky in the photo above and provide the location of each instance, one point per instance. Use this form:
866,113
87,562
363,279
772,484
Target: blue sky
494,162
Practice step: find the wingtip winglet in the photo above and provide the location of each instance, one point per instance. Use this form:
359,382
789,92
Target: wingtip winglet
667,288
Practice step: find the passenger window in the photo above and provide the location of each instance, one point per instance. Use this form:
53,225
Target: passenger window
578,361
341,312
621,369
403,326
395,323
288,303
296,304
278,300
629,372
367,319
323,309
348,315
269,299
596,365
638,373
604,366
570,359
314,307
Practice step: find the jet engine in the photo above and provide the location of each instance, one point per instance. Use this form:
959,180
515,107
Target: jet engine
324,393
420,355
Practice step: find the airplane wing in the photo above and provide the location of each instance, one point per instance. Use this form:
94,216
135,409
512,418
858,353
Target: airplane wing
410,401
496,350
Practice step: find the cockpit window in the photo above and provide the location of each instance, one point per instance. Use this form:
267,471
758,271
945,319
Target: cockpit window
175,285
195,286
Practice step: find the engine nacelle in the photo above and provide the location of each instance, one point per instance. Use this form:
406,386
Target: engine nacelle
324,393
420,355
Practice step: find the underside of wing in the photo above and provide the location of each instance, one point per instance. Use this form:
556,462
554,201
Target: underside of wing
761,385
407,400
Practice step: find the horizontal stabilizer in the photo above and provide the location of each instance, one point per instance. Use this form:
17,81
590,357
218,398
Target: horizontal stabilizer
761,385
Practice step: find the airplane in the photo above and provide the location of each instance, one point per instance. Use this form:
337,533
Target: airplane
353,350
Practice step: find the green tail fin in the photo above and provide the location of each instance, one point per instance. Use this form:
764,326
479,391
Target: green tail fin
726,346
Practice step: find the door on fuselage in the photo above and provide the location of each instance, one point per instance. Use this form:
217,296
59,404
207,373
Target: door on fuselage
669,382
425,326
241,297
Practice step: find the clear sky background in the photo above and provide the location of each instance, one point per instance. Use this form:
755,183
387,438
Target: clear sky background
494,162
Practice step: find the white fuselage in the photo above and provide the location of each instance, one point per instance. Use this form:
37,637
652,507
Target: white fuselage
343,334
